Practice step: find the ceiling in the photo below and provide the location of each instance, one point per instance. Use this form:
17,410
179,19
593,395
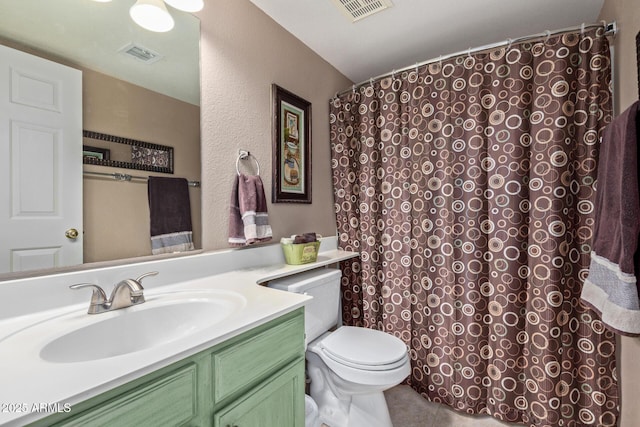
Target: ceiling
414,31
94,33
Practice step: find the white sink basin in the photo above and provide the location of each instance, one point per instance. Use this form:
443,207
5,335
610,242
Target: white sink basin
162,319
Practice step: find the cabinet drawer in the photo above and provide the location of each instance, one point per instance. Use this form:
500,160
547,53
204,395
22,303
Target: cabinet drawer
251,360
277,402
169,400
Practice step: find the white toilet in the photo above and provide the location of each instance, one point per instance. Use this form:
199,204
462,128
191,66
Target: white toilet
350,367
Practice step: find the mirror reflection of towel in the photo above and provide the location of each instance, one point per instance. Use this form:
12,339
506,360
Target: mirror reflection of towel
248,217
170,215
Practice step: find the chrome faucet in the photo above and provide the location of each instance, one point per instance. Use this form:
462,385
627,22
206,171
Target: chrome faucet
126,293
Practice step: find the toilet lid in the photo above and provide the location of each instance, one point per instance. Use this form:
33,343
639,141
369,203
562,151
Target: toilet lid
366,348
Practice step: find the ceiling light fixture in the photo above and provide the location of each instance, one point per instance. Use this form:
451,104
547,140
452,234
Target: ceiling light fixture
186,5
152,15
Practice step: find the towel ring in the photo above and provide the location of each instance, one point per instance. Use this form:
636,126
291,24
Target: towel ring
242,155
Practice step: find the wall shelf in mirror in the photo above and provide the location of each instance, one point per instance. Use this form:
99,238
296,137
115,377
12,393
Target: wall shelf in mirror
128,153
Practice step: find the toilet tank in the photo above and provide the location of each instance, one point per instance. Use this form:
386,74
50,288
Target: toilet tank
323,311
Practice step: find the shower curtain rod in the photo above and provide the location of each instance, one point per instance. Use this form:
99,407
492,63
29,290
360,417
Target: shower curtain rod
610,29
126,177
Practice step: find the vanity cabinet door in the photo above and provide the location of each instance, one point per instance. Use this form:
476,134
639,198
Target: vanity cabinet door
169,400
249,361
277,402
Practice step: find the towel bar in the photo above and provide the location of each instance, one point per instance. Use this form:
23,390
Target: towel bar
126,177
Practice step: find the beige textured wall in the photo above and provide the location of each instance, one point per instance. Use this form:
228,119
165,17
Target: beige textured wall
116,214
627,14
243,52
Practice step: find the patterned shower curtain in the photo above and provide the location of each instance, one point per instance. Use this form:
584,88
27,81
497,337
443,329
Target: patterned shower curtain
467,187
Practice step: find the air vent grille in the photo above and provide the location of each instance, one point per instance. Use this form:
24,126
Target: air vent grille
356,10
141,53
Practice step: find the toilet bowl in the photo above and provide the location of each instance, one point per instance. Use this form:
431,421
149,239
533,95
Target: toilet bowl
349,370
350,367
310,412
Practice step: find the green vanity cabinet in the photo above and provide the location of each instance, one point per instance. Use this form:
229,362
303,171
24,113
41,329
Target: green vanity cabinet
253,380
168,400
273,404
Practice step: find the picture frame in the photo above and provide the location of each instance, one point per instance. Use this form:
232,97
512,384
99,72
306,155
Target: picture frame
291,137
127,153
96,153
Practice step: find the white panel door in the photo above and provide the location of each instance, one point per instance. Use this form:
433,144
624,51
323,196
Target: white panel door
40,163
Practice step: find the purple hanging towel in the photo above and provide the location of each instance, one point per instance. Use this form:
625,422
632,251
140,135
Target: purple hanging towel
248,217
170,215
611,286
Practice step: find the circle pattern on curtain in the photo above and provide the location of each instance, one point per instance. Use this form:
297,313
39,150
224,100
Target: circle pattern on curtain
467,186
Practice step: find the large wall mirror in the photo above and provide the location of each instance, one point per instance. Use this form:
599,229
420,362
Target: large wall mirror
136,84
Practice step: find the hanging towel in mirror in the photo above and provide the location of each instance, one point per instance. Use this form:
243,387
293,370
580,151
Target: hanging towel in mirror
170,215
611,286
248,217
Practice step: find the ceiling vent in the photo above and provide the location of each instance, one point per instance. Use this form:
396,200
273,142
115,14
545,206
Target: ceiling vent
356,10
141,53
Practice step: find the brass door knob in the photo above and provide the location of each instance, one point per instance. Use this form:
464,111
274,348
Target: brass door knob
71,233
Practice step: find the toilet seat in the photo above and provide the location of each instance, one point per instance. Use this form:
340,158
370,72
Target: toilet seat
355,362
363,348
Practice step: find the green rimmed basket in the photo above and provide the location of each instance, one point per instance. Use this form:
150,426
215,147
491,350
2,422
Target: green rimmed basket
301,253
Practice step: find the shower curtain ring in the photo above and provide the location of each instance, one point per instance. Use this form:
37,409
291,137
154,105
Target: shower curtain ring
353,89
509,41
469,53
548,36
582,29
371,82
416,68
393,75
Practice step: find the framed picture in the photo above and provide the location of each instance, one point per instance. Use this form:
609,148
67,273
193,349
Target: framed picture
291,147
95,152
126,153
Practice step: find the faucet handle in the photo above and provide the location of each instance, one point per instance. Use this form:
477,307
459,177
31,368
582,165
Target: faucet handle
151,273
98,298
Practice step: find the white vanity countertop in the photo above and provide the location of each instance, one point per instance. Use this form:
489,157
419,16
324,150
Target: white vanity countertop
27,380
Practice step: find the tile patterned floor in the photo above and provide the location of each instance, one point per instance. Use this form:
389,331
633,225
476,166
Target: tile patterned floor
409,409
